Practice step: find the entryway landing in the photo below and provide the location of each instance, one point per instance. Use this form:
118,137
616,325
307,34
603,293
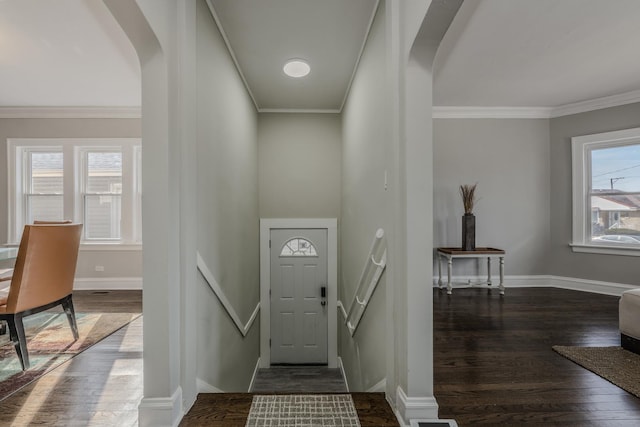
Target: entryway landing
299,379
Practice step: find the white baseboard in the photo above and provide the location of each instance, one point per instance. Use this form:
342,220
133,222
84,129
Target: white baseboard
205,387
379,387
344,374
161,411
255,373
542,281
595,286
107,283
449,422
413,408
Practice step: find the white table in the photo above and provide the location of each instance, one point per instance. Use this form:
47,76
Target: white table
450,254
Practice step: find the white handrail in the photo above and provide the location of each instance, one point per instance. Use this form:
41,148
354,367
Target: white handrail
217,290
379,264
358,306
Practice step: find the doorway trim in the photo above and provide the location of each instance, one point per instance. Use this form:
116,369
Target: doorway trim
329,224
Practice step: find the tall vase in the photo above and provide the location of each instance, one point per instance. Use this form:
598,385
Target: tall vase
469,232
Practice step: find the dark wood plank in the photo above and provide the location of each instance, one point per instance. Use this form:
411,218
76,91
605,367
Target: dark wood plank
299,379
493,365
493,362
101,386
374,410
108,301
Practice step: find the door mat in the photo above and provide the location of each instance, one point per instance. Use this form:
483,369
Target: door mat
303,410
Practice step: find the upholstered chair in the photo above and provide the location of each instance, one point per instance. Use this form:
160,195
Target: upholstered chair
42,279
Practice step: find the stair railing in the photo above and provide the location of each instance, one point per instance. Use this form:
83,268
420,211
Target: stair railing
217,290
367,284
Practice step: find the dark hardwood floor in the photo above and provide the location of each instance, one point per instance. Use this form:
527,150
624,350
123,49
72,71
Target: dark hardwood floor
493,362
493,365
299,379
101,386
231,410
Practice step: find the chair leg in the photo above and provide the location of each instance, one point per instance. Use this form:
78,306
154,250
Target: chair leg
67,305
16,333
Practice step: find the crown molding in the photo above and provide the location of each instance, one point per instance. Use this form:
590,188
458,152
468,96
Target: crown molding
536,112
298,111
357,64
596,104
70,113
491,112
232,53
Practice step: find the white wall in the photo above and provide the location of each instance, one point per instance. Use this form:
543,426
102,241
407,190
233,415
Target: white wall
117,264
366,155
509,160
299,164
228,225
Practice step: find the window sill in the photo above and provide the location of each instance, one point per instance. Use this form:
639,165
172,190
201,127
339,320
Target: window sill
88,247
102,247
606,249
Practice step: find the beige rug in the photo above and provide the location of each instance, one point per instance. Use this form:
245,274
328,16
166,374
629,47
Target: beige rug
614,364
303,410
50,343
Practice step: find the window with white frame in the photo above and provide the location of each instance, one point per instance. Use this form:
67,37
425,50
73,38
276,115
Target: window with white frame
95,182
43,184
606,192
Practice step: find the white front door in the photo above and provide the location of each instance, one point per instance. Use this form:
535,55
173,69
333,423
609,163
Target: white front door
298,296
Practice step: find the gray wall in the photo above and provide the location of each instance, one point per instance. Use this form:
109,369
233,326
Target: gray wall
299,158
228,232
564,262
116,263
366,154
509,160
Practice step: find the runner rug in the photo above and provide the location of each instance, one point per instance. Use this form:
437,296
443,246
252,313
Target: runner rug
50,343
614,364
303,410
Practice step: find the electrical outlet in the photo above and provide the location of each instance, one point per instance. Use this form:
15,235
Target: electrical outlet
99,267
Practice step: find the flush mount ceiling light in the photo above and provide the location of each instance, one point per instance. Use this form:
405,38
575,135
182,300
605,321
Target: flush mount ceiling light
296,68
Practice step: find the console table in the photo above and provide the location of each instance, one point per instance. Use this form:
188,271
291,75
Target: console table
450,253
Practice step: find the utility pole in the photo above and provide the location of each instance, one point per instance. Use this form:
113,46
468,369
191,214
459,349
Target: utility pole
612,180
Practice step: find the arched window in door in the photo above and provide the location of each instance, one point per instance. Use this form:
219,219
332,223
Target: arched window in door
298,247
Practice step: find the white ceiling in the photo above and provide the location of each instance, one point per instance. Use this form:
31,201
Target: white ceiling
539,53
521,53
328,34
65,53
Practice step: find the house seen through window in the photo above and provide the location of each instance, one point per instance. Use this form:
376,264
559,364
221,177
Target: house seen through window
44,186
615,194
95,182
606,179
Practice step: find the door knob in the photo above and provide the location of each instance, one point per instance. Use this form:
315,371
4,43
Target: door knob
323,292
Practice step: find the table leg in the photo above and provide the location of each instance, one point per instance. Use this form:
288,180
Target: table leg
449,272
489,270
501,275
439,271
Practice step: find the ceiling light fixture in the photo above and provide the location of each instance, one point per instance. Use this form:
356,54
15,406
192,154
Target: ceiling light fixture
296,68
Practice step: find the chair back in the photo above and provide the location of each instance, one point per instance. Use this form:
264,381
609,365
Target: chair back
45,266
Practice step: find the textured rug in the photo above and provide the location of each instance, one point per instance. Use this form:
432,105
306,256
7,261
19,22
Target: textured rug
614,364
303,410
50,343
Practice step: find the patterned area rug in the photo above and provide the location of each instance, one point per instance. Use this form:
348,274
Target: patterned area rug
303,410
614,364
50,343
